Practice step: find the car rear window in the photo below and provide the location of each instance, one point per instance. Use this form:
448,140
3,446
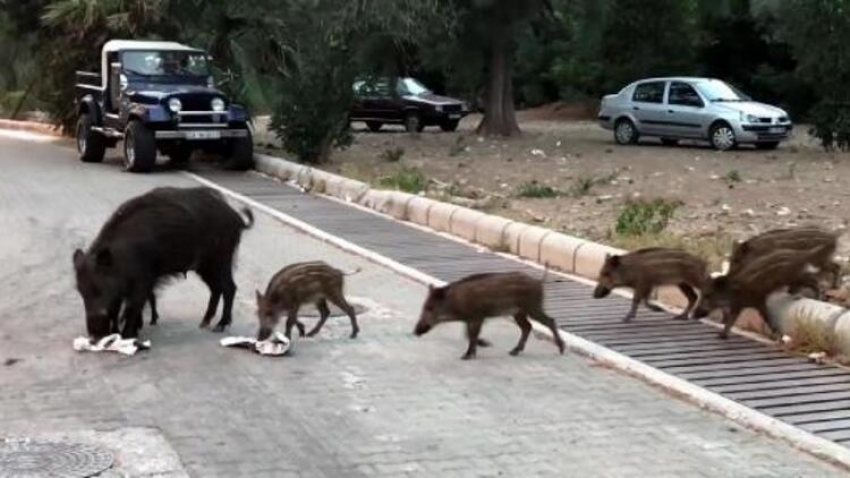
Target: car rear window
652,92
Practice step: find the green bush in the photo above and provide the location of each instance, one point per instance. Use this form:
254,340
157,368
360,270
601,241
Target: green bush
645,217
533,189
410,180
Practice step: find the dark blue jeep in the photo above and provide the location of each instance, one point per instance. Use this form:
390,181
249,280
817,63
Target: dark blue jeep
158,96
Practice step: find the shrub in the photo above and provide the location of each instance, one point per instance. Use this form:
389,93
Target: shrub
392,155
645,217
410,180
533,189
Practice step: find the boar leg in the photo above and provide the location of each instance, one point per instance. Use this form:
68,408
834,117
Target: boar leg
525,327
692,296
291,320
214,285
473,328
640,295
133,315
339,300
324,313
544,319
228,288
114,312
730,316
154,314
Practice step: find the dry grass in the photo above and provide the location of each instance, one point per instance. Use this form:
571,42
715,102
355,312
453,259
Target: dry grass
810,337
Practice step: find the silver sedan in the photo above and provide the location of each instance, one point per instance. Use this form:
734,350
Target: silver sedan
692,108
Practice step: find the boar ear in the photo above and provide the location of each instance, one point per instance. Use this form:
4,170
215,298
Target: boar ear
104,258
259,296
437,292
79,258
615,260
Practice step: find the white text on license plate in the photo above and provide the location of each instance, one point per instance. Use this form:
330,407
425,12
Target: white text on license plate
776,130
454,116
203,135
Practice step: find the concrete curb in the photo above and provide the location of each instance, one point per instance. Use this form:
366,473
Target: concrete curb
798,438
566,253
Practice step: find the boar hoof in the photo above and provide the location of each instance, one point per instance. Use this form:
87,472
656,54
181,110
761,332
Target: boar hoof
353,335
724,335
219,328
483,343
628,318
515,352
468,356
311,333
681,317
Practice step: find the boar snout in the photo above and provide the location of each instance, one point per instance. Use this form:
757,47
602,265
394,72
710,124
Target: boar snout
601,291
264,333
98,325
422,328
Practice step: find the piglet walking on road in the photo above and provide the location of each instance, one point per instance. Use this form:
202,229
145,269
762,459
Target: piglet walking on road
478,297
298,284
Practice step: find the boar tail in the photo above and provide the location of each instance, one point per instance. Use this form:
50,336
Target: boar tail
351,273
249,217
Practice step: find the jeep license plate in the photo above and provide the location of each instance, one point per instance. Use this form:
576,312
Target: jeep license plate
203,135
454,116
776,130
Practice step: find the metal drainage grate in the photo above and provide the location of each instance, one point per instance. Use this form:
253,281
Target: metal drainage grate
32,459
311,311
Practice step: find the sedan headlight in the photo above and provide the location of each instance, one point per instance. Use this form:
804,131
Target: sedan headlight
749,118
217,104
175,105
438,108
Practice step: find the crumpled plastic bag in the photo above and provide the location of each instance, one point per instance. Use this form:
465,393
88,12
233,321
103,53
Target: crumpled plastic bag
275,345
111,343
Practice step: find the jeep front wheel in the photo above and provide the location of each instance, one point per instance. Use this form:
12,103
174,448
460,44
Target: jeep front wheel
90,144
241,157
139,148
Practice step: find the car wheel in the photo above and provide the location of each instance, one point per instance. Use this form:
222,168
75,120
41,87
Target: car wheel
723,137
768,146
139,148
625,132
413,124
374,126
669,142
241,157
90,144
449,125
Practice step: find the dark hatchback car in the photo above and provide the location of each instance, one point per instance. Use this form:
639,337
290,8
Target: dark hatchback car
410,104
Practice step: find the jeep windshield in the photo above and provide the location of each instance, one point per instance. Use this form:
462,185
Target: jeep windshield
162,65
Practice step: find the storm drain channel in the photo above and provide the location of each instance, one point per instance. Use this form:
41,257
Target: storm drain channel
34,458
812,397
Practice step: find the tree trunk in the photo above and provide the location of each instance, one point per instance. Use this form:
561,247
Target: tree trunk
500,114
22,100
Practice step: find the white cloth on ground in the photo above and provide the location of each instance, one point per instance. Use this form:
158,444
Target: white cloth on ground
277,344
111,343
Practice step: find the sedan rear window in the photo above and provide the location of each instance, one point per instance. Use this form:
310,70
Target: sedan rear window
652,92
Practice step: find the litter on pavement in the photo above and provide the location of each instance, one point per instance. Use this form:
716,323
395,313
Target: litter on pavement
111,343
276,345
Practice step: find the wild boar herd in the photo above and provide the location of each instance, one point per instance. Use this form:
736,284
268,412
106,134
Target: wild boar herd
170,231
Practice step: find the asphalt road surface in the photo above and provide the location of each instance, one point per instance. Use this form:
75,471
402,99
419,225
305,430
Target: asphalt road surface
385,404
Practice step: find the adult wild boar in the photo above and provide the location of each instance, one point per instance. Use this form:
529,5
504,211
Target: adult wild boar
165,232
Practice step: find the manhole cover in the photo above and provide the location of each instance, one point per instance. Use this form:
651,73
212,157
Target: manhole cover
309,310
32,459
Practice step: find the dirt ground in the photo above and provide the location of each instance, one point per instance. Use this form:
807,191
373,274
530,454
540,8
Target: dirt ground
724,195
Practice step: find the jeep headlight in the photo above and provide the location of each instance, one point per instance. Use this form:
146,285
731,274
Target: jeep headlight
217,104
175,105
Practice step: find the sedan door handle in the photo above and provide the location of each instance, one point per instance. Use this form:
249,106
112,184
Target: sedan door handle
670,111
635,108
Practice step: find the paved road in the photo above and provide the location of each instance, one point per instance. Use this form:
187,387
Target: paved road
385,404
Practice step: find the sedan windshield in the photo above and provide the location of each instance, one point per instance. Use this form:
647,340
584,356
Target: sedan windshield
718,91
409,86
166,63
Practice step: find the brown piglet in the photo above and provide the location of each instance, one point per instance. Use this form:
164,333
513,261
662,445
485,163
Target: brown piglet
803,238
298,284
478,297
750,285
645,269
